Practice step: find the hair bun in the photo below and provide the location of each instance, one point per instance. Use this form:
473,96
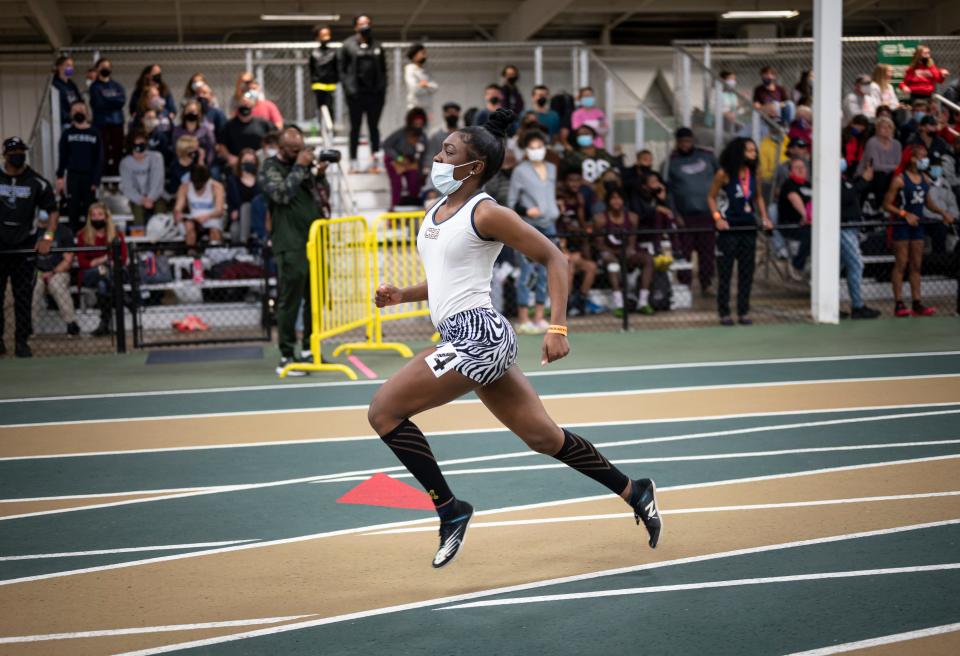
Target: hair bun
499,122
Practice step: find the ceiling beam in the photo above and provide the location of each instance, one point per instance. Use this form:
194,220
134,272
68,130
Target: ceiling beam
47,15
528,18
405,30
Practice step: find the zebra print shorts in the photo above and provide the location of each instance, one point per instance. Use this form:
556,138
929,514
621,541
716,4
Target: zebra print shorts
485,342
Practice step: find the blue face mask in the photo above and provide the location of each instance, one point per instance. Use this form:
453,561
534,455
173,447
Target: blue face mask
923,164
584,140
68,71
442,177
918,116
843,165
588,101
936,171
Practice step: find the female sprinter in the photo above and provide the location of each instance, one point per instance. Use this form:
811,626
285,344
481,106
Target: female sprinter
458,242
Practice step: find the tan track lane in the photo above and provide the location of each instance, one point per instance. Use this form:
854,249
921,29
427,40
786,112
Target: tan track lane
947,644
337,422
358,572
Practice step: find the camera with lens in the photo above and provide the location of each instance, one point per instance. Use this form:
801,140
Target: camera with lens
328,155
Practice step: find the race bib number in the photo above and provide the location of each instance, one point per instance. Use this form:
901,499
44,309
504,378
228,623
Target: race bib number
443,360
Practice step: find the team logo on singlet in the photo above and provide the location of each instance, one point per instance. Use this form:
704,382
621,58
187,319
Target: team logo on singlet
432,233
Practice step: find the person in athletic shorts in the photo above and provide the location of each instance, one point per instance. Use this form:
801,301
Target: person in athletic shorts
459,240
911,190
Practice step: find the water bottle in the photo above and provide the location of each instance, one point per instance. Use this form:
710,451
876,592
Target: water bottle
197,271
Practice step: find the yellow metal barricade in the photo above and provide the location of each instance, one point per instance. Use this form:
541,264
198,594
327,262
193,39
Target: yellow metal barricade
339,252
395,260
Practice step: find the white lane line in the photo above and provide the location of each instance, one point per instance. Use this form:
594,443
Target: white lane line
106,633
575,395
704,585
103,552
433,520
498,429
532,586
99,495
880,641
362,474
532,374
678,511
635,461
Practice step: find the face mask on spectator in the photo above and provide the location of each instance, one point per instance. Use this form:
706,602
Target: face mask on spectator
249,167
140,147
767,80
17,160
98,225
843,165
513,79
157,103
925,61
588,101
855,131
204,105
191,117
496,100
536,154
366,32
584,140
157,78
105,72
150,124
730,82
451,120
799,179
918,116
542,101
936,171
923,163
195,156
196,84
68,71
441,175
79,117
244,110
270,152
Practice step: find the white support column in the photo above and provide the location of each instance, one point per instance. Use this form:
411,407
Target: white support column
609,96
639,130
248,59
827,62
686,108
258,73
705,84
755,126
584,68
538,65
575,69
298,83
398,85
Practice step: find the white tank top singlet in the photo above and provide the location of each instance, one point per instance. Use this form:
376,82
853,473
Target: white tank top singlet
201,202
458,262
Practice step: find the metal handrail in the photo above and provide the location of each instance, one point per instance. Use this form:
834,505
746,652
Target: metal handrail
649,112
173,47
807,40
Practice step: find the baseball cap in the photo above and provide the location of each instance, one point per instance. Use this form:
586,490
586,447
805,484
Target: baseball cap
14,143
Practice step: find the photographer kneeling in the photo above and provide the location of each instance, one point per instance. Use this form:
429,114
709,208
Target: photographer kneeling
295,188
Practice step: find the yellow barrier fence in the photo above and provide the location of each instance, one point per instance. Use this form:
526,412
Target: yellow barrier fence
348,259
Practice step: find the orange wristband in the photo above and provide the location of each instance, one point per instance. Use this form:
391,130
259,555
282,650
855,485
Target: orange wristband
557,330
903,214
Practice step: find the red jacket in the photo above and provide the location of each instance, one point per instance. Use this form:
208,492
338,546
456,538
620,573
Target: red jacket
85,258
922,80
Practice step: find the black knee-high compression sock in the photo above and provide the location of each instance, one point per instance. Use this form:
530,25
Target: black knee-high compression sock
410,446
584,457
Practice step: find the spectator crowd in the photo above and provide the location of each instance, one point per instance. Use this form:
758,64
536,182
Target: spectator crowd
218,170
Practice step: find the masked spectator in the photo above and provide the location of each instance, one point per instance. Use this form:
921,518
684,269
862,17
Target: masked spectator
586,157
512,97
928,134
451,119
729,101
943,196
363,73
141,178
852,188
770,92
533,194
545,116
192,123
492,101
882,152
270,147
802,125
211,112
794,211
53,279
689,174
78,170
152,76
242,131
881,90
859,102
854,140
152,101
200,206
196,81
263,107
324,70
63,71
159,138
735,202
909,127
922,75
587,113
803,91
96,267
107,98
907,198
615,244
28,202
420,86
243,190
178,173
574,226
403,154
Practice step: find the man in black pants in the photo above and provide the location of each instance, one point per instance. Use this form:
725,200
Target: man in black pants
324,73
363,72
22,193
